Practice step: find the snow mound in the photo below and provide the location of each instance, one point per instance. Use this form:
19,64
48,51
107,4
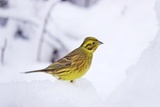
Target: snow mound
49,94
141,88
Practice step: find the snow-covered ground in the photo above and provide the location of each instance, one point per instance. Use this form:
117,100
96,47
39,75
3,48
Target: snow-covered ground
141,88
125,69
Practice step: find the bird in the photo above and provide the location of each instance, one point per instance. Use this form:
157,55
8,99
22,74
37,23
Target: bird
75,64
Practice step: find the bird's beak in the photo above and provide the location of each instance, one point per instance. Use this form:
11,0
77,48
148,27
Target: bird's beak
99,42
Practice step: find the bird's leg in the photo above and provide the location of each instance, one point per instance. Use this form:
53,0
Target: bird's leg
71,81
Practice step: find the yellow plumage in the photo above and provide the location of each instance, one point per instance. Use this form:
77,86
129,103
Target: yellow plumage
75,64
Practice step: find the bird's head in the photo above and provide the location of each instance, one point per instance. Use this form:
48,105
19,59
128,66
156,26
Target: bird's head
90,44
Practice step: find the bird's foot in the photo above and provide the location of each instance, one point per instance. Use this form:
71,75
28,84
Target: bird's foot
71,81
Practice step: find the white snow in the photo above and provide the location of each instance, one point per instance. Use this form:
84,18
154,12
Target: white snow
49,94
125,69
141,88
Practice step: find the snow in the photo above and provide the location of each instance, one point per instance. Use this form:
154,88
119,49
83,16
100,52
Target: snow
141,87
125,69
49,94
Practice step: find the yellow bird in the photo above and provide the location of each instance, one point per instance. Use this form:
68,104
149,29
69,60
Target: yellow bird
75,64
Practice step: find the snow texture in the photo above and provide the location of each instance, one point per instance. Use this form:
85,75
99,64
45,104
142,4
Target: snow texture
141,88
49,94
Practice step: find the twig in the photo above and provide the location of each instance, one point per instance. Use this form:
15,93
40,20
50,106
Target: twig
21,19
25,21
45,23
58,40
3,51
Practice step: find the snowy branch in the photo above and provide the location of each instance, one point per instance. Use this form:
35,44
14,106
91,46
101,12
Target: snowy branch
56,39
24,20
44,26
3,51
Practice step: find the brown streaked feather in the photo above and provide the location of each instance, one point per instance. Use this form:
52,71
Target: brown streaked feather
61,64
79,63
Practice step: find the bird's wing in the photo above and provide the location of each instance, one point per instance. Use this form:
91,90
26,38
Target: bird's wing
65,62
60,64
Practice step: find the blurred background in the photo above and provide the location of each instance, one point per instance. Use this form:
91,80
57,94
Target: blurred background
35,33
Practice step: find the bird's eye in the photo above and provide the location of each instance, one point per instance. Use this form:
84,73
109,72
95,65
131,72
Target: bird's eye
93,43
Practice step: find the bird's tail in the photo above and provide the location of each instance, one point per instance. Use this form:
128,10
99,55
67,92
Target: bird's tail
27,72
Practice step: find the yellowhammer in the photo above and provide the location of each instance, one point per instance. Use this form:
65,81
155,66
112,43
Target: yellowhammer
75,64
